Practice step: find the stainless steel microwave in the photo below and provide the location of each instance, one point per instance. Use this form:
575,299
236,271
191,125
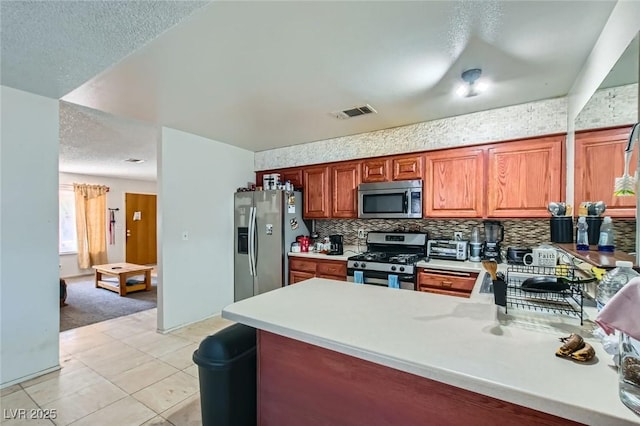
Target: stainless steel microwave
390,200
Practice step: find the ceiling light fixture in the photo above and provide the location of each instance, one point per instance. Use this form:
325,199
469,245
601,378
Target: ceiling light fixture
473,86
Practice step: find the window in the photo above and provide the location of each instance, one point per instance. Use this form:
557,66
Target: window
68,242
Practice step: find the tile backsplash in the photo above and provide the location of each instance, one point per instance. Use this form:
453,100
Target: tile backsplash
517,232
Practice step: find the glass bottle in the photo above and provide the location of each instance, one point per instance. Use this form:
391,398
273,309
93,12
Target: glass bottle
629,372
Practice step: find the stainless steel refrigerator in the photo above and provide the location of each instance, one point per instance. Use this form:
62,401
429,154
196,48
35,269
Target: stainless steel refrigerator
266,223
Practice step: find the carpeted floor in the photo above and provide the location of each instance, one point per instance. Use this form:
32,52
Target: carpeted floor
87,304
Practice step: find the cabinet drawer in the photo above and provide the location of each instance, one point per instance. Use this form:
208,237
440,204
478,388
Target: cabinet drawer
332,277
305,265
297,276
447,281
332,268
428,289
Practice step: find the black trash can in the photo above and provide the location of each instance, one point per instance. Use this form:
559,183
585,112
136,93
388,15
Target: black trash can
227,373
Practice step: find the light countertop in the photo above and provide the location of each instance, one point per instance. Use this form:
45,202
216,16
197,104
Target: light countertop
347,252
468,343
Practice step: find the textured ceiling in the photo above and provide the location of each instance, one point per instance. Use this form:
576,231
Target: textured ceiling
265,74
51,47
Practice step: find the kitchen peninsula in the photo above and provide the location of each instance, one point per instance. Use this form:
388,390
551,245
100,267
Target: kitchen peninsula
331,352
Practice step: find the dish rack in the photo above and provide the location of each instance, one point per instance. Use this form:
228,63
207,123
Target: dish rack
570,301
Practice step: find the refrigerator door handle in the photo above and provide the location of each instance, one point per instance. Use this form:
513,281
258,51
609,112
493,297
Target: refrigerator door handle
250,238
253,242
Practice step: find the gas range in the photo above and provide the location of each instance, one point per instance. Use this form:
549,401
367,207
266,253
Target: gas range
389,253
383,261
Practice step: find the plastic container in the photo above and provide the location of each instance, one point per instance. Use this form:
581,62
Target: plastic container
613,281
582,237
227,373
629,372
606,241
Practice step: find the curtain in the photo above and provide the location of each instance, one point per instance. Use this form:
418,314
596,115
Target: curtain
91,224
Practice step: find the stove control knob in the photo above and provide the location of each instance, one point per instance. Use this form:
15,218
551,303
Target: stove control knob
402,269
393,268
362,265
355,264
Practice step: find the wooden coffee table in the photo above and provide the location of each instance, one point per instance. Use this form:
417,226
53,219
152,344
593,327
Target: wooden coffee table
122,271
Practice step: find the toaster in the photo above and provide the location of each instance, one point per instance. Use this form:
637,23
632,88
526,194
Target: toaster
515,255
447,249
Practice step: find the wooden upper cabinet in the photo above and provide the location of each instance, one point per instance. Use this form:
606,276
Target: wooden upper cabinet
599,160
292,175
317,193
454,184
407,167
345,178
524,176
375,170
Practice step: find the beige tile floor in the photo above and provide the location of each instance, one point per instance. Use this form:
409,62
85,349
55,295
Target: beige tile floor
119,372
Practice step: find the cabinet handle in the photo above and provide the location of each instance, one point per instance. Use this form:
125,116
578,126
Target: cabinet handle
446,283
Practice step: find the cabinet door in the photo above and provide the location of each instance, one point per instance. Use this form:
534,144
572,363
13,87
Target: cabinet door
599,160
344,184
316,192
297,276
524,176
375,170
407,167
332,268
302,264
292,175
454,183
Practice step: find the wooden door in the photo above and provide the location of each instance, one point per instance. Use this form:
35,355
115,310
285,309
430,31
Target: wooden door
141,246
344,188
524,176
316,192
406,167
599,160
375,170
454,183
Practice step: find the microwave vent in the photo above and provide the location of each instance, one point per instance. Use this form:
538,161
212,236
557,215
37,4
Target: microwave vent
354,112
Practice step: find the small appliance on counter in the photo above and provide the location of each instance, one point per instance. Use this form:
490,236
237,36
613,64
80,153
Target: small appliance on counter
336,245
447,249
475,245
515,255
493,236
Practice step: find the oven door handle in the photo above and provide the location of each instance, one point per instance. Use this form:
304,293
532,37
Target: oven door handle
406,202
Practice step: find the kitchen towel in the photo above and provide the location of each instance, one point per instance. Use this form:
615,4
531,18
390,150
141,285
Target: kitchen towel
621,311
358,278
393,281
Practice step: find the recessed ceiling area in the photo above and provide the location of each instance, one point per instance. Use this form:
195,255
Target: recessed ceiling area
261,75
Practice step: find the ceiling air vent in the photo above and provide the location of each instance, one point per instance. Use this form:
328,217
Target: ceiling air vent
354,112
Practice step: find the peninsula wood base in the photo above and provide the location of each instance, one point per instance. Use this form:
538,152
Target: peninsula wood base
303,384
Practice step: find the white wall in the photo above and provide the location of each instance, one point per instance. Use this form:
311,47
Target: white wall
115,199
29,289
197,178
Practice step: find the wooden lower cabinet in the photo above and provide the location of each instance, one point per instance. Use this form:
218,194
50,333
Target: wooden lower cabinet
301,269
452,283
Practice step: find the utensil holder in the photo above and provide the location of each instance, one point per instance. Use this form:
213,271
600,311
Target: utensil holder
561,229
500,292
593,230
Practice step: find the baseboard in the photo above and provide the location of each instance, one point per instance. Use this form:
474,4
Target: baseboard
77,276
30,376
217,314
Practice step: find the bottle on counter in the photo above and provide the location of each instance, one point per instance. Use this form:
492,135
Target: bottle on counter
606,239
582,238
613,281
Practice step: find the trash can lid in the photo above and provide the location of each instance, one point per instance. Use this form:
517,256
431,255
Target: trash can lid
226,344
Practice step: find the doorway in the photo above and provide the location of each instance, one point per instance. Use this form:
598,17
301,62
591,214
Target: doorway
141,241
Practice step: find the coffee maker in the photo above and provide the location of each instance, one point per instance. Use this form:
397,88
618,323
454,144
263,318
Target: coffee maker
493,236
336,245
